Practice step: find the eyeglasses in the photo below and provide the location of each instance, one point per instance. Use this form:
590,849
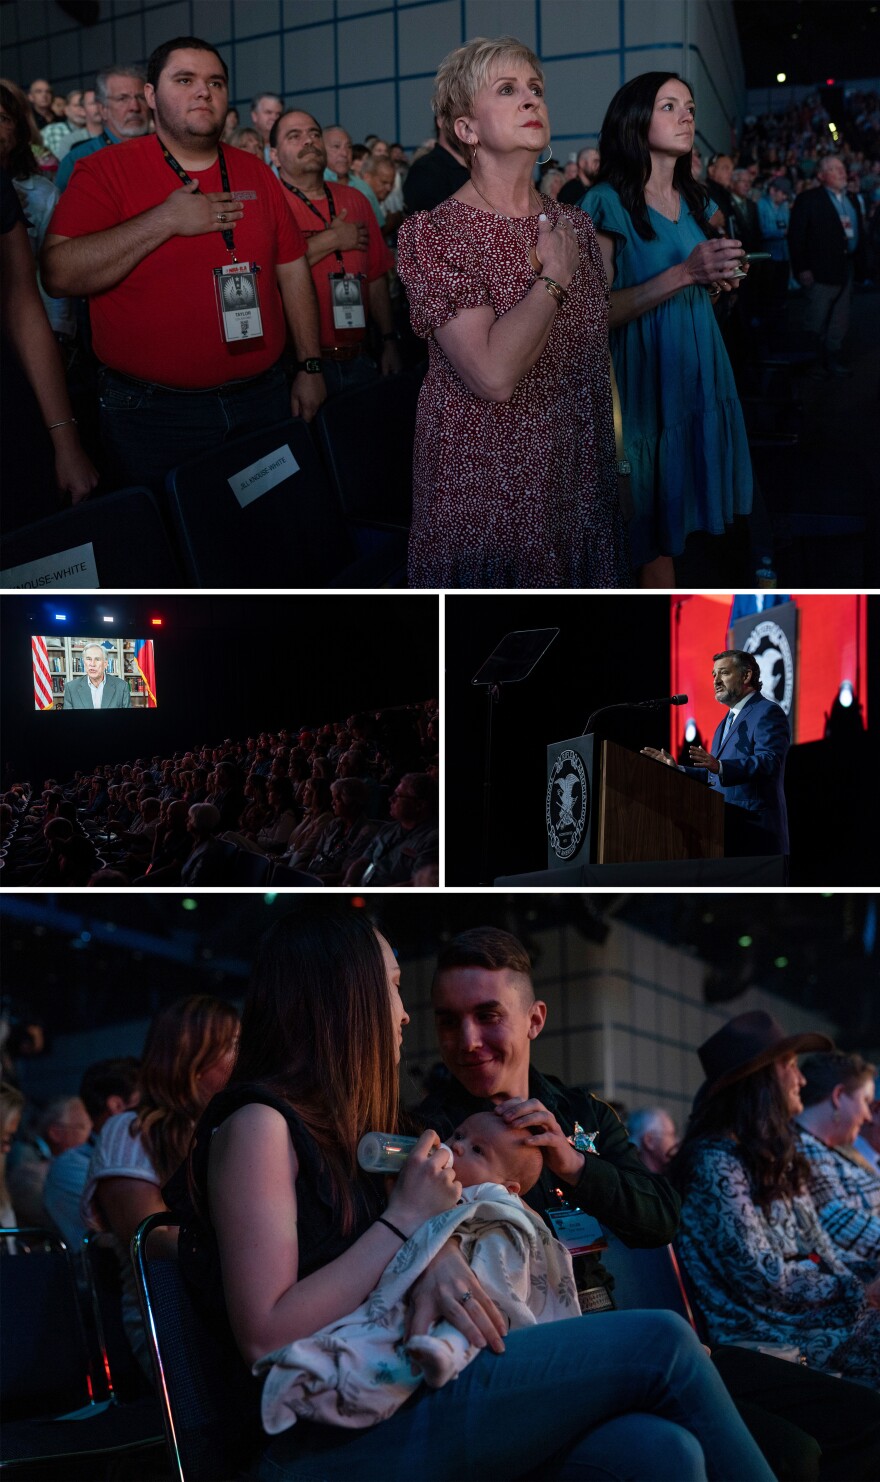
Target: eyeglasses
126,98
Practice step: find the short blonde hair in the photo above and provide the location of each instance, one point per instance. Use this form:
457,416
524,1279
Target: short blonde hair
466,70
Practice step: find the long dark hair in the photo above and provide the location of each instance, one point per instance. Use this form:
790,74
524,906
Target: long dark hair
626,158
755,1111
188,1037
316,1028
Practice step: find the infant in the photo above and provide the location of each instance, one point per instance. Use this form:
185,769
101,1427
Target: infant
359,1370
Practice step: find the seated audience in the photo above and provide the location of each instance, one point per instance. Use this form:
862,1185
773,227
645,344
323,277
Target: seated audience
108,1088
764,1271
11,1104
344,840
837,1094
653,1132
304,838
411,841
63,1124
188,1056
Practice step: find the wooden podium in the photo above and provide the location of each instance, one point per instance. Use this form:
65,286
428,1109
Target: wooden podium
607,805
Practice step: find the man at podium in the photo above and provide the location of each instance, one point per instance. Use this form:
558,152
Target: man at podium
747,760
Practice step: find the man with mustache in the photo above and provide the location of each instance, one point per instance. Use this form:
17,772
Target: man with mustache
346,252
123,114
195,272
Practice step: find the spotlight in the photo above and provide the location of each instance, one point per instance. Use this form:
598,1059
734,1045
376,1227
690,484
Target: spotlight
832,128
108,619
844,720
189,904
61,617
780,77
744,941
690,731
156,622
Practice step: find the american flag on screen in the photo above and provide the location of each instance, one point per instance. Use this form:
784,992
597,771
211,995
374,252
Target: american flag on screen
43,696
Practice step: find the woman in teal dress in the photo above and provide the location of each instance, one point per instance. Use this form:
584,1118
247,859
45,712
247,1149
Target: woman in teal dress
683,426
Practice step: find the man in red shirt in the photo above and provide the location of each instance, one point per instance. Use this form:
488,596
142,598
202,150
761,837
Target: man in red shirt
194,273
346,253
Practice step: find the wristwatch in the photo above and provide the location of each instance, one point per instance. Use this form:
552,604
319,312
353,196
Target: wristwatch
311,366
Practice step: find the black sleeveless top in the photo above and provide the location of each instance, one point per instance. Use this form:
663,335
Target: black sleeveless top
318,1222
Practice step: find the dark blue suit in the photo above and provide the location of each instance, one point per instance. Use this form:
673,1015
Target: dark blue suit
753,764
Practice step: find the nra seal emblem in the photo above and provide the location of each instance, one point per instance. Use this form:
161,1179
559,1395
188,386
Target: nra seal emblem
568,804
773,652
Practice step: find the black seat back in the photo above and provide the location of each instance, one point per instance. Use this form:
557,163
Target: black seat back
129,544
378,421
44,1364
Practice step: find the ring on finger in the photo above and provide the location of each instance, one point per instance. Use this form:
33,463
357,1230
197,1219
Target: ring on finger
221,215
466,1298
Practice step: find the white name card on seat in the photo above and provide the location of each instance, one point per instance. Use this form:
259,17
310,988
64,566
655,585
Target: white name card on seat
75,567
258,478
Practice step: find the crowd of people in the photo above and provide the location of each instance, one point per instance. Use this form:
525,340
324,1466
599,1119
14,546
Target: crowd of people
149,197
336,804
476,1255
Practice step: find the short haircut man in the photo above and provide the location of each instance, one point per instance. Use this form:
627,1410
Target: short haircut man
487,1017
202,213
119,93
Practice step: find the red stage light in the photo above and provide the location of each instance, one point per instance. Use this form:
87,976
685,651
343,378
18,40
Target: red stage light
156,622
358,902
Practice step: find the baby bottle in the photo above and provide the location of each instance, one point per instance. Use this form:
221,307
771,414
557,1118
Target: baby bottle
385,1152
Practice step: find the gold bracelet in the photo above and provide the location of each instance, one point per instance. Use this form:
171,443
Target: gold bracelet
555,289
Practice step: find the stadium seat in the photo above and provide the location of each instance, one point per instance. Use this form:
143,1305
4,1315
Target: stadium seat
210,1401
249,868
130,545
366,437
292,535
646,1277
46,1381
286,875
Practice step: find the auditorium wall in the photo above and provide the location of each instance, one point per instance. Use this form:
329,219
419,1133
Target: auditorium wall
368,64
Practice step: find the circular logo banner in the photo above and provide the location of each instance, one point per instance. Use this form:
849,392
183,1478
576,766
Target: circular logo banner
568,804
773,652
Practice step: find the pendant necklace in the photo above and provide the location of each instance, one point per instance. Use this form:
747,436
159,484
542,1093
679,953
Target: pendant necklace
534,260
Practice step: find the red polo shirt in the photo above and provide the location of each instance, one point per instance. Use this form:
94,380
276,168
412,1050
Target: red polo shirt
376,261
161,322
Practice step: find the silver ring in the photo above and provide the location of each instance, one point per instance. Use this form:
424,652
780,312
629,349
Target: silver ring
465,1299
221,216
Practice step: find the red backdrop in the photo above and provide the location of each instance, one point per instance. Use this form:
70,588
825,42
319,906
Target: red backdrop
832,646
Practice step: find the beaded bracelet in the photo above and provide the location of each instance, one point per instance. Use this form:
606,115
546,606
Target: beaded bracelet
555,289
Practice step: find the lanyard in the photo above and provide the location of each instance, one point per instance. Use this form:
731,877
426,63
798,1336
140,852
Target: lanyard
187,180
331,207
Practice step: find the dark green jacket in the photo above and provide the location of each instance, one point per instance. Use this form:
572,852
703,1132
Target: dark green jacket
641,1208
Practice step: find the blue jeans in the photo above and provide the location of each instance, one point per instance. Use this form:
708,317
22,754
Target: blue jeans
344,375
148,429
622,1397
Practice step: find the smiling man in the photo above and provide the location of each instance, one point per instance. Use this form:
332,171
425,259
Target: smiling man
487,1016
747,759
195,271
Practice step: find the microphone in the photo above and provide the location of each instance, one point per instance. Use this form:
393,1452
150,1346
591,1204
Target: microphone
635,705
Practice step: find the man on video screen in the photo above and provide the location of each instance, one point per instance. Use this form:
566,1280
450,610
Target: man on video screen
98,690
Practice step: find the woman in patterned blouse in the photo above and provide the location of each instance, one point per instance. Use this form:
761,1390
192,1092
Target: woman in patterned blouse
837,1097
764,1270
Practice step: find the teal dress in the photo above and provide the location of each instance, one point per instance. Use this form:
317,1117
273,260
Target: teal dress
682,422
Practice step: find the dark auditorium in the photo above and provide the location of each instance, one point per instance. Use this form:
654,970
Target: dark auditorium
253,741
539,1147
297,302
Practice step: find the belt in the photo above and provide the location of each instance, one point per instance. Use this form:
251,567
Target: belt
193,390
341,352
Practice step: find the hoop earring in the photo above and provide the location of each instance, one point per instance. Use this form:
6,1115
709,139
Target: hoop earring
549,156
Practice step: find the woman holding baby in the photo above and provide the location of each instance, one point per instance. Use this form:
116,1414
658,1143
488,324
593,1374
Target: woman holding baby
298,1237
